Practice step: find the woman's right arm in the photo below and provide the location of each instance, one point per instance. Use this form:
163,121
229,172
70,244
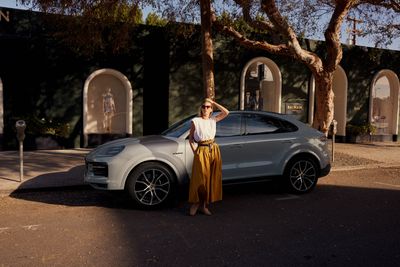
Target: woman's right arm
224,110
191,137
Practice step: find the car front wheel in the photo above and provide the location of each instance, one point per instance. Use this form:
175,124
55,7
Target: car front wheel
301,175
150,185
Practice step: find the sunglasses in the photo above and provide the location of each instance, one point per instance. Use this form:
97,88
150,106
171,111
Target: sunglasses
205,106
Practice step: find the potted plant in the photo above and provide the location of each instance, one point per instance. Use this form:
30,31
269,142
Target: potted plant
46,133
358,133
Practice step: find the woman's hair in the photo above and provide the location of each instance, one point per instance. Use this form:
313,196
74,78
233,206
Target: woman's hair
206,100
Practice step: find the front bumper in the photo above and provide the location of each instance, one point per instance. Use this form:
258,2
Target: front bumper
325,171
96,174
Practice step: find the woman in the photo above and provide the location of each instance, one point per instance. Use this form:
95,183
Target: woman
206,181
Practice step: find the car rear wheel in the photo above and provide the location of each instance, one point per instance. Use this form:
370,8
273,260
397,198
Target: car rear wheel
151,185
301,175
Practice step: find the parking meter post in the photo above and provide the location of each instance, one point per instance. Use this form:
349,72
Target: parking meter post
333,131
21,125
21,161
333,148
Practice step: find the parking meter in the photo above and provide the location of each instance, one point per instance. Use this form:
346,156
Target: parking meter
334,127
21,126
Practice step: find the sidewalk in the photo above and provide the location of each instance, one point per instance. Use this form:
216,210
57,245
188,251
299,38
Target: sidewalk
49,169
367,155
41,169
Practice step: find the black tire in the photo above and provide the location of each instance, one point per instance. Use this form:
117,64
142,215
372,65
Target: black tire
301,175
151,185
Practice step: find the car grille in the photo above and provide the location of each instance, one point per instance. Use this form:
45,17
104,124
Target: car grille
97,168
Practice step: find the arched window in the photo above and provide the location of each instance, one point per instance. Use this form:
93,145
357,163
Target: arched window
384,103
339,87
260,87
107,104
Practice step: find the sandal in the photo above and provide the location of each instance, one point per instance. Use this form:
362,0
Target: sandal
193,209
206,211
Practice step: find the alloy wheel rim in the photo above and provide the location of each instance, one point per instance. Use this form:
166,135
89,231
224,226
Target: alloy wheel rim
303,175
152,187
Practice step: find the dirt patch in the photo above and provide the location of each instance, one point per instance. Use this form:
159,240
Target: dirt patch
343,159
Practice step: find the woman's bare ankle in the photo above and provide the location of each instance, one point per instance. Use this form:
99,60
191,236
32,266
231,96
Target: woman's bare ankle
193,209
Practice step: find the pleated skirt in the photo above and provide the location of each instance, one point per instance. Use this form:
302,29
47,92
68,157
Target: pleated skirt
206,180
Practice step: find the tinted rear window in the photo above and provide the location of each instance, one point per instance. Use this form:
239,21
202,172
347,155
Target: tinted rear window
258,124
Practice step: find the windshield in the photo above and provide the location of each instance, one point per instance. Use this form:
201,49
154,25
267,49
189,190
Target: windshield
178,128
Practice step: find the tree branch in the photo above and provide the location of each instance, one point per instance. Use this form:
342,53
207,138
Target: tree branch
276,49
261,25
389,4
332,33
282,25
281,49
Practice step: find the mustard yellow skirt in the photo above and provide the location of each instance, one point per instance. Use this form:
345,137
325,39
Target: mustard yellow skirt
206,181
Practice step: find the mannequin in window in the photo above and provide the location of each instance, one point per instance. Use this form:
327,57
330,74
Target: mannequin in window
108,109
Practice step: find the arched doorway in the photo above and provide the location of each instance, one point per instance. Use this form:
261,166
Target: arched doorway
261,85
339,87
107,106
384,104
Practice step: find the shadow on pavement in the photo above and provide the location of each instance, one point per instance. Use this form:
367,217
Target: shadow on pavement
84,195
332,226
51,180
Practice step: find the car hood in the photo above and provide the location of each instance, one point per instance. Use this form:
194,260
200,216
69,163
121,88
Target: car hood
149,140
118,142
140,145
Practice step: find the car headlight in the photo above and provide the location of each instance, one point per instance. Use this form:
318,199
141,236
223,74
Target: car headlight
110,151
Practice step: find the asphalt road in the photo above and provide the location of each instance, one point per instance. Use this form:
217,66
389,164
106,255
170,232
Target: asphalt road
351,219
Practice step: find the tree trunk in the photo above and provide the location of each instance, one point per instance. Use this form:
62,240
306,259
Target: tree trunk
324,111
207,49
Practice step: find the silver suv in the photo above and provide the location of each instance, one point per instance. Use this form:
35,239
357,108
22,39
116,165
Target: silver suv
255,146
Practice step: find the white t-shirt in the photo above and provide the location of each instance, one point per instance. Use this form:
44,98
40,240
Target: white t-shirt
205,129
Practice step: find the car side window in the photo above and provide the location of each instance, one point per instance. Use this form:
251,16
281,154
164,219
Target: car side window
287,126
230,126
259,124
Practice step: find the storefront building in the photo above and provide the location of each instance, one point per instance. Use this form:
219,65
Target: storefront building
73,99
